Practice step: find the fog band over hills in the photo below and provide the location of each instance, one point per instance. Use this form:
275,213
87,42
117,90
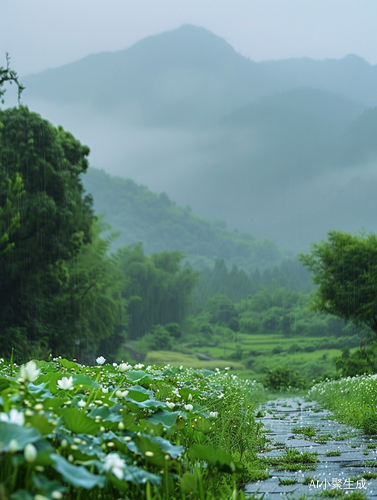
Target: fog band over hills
285,150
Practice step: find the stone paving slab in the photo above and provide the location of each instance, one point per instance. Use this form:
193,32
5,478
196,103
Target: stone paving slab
281,416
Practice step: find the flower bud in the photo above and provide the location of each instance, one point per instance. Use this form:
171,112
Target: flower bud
13,445
30,453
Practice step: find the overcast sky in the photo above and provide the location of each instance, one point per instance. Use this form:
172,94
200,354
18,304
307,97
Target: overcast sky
41,34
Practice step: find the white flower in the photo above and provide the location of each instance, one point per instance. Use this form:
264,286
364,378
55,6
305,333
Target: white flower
189,397
65,383
29,371
123,367
105,389
13,445
170,405
82,403
189,407
100,360
113,463
213,414
30,452
14,417
139,366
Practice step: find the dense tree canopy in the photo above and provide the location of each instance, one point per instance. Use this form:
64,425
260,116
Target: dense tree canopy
53,265
345,270
159,288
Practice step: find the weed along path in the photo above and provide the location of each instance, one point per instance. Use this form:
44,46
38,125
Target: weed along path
311,454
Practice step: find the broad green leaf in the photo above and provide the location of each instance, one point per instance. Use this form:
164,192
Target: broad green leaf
4,383
41,423
147,446
67,364
138,393
137,375
214,457
44,449
76,421
105,414
52,404
188,483
147,427
84,380
22,495
184,392
120,484
36,389
204,425
173,450
167,418
76,475
45,486
23,435
46,366
150,403
137,475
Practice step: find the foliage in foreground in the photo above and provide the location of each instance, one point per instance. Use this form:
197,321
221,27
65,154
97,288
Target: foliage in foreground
352,400
139,432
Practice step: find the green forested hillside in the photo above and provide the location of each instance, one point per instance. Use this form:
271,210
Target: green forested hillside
143,216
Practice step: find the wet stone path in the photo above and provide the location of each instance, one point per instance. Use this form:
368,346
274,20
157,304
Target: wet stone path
353,454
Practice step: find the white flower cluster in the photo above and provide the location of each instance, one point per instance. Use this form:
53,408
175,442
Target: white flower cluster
124,367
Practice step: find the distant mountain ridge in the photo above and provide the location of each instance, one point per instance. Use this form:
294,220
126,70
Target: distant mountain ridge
161,74
351,76
283,150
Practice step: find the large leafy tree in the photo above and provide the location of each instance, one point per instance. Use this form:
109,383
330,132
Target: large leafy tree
345,271
45,220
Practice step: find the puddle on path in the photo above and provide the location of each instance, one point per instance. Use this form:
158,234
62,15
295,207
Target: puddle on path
332,472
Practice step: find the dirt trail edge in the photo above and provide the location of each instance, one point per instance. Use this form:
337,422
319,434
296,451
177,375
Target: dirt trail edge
344,453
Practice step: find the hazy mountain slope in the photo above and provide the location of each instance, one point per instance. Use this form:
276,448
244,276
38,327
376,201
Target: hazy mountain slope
243,142
181,76
160,224
359,142
352,76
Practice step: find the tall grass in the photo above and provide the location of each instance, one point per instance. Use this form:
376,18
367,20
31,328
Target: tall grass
353,400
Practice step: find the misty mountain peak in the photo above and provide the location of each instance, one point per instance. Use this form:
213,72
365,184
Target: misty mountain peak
354,60
187,44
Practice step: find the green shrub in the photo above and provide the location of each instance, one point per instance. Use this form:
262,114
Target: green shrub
282,377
